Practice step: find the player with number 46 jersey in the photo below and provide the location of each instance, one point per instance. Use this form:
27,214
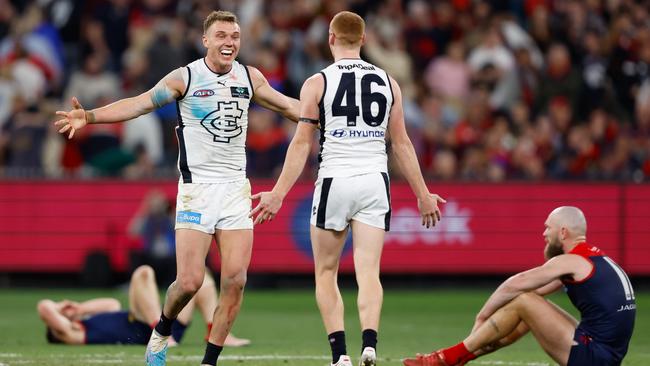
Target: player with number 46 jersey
355,106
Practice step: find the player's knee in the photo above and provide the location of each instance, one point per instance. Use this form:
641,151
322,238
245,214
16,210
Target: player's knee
234,282
144,272
526,299
327,270
189,284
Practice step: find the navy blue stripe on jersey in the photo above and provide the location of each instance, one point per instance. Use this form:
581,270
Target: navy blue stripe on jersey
321,116
250,81
322,203
182,152
387,216
189,80
392,95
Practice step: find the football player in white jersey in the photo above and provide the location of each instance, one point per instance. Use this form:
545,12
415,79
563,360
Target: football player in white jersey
214,195
354,103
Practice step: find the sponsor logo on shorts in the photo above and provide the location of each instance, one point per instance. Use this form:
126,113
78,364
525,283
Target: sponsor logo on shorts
188,217
341,133
203,93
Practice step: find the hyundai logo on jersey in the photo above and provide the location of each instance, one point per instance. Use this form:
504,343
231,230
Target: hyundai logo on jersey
338,133
188,217
203,93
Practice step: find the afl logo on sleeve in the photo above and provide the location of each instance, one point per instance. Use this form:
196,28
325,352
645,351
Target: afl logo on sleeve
223,122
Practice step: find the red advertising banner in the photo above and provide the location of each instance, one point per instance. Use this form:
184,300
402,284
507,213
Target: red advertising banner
486,228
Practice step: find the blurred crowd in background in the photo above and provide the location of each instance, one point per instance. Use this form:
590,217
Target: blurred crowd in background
494,90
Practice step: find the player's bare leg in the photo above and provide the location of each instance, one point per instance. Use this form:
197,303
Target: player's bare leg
368,244
144,301
235,248
191,250
327,246
521,330
550,326
206,302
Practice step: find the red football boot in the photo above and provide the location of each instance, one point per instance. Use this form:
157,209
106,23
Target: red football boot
430,359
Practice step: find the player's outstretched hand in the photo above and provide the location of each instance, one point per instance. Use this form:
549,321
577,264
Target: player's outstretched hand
268,207
72,120
429,209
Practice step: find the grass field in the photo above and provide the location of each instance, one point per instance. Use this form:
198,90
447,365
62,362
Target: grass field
286,330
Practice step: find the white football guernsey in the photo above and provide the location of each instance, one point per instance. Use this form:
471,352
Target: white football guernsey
354,112
212,123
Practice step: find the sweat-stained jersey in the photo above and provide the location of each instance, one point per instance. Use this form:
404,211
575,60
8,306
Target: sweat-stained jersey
212,123
354,112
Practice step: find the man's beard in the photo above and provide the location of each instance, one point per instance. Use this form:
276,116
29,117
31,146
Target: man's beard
552,250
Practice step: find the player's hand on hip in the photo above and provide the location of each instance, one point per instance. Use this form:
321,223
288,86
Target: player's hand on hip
429,209
267,208
72,120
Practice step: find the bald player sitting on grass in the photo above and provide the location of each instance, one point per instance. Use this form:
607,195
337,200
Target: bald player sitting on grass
102,321
595,284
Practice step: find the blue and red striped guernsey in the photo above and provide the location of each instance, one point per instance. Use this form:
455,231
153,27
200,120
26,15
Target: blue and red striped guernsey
605,299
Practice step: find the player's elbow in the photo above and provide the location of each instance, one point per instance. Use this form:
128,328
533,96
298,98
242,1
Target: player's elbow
512,286
44,307
113,305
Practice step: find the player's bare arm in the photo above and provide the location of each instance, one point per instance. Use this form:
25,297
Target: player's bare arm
99,305
50,312
166,90
267,97
568,265
405,154
297,153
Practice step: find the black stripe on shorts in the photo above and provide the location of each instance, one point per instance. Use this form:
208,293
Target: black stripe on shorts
387,217
322,204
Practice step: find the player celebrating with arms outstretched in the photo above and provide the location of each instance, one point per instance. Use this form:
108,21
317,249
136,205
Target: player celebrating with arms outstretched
212,95
355,104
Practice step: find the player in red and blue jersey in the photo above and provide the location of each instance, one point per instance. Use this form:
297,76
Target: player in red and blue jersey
595,284
102,321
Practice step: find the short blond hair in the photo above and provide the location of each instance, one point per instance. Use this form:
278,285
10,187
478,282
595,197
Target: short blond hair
348,28
219,16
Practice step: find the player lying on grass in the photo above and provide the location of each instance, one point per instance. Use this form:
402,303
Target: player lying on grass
596,285
102,321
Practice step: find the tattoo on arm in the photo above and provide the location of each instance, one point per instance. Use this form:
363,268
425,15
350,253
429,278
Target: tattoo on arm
494,324
161,94
309,120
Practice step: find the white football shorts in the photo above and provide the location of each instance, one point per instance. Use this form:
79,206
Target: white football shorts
364,198
210,206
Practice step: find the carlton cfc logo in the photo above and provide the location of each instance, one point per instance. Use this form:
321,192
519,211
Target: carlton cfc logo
223,122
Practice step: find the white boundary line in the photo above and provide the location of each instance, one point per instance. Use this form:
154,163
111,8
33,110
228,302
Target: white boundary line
108,358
